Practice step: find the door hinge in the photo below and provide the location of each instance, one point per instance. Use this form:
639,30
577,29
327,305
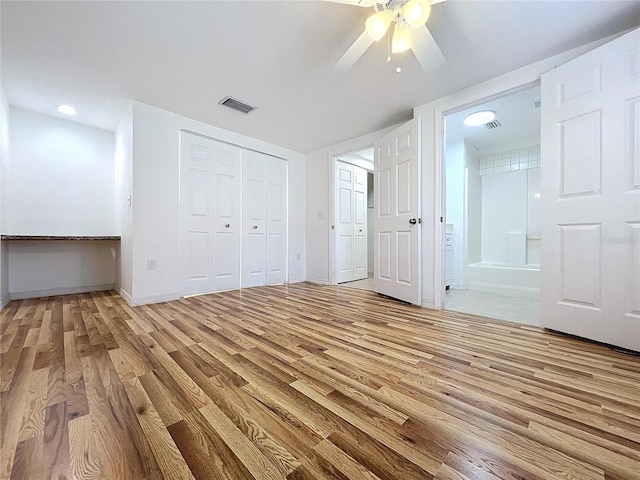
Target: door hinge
333,227
419,220
441,219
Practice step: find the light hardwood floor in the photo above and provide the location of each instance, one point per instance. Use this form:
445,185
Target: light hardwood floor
305,381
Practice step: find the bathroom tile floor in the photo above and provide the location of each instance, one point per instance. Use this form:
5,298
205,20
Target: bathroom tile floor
503,307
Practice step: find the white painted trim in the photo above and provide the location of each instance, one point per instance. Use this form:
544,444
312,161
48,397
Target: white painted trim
125,295
50,292
4,302
168,297
318,281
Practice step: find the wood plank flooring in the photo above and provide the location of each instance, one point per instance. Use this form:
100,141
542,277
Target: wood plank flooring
305,382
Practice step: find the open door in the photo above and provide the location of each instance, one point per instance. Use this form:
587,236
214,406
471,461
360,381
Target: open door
591,195
350,222
397,221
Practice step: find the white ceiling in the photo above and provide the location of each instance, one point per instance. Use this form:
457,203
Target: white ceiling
186,56
518,118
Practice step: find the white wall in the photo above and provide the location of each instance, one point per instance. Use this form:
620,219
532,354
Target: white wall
504,217
4,160
59,180
318,192
155,211
474,207
455,201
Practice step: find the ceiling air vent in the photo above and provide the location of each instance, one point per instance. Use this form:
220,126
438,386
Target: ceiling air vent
493,124
236,104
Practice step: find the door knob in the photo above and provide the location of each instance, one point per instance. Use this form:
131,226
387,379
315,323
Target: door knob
255,227
413,221
227,225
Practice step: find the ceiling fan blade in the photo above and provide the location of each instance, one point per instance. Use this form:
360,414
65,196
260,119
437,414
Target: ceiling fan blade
426,49
355,51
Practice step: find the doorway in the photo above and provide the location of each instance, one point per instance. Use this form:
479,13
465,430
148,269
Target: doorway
492,209
353,219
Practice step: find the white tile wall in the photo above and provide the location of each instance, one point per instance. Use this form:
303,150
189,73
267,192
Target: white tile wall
510,161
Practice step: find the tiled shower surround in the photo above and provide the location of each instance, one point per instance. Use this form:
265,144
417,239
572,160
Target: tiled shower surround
509,161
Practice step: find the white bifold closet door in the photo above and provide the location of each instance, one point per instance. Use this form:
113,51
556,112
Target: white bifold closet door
210,214
350,222
233,216
264,219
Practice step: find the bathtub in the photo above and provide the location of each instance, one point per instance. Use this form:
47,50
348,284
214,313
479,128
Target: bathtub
504,279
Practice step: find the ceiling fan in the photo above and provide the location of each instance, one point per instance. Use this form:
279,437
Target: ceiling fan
408,18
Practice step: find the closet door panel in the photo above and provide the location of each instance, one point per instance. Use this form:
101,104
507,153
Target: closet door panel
210,175
227,216
254,263
276,200
196,220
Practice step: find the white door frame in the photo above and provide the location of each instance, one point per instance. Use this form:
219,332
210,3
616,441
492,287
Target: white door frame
433,130
333,160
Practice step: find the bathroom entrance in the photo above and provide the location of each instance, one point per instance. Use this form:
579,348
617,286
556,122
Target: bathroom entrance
492,222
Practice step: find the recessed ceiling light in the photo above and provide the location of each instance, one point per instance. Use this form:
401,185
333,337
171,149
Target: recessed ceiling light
66,109
479,118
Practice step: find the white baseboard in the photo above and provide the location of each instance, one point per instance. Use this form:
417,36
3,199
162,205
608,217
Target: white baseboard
4,302
50,292
139,301
317,281
125,295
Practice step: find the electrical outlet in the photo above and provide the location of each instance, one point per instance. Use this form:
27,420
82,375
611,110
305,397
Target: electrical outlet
151,264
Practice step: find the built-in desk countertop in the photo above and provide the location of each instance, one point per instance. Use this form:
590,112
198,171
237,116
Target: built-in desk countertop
58,237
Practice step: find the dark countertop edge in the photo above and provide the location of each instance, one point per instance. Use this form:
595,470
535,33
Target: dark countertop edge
58,237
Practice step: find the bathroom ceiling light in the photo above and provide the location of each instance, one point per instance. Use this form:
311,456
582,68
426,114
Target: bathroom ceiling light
66,109
479,118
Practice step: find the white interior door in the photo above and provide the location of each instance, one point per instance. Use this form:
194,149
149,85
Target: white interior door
227,160
344,222
209,214
276,200
254,219
591,195
196,213
397,219
264,238
360,267
350,222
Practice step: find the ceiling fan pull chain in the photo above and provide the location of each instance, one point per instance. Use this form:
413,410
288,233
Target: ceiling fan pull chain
398,69
388,48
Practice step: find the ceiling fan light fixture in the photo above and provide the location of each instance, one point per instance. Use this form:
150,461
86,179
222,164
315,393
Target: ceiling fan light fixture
378,24
401,40
479,118
416,12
